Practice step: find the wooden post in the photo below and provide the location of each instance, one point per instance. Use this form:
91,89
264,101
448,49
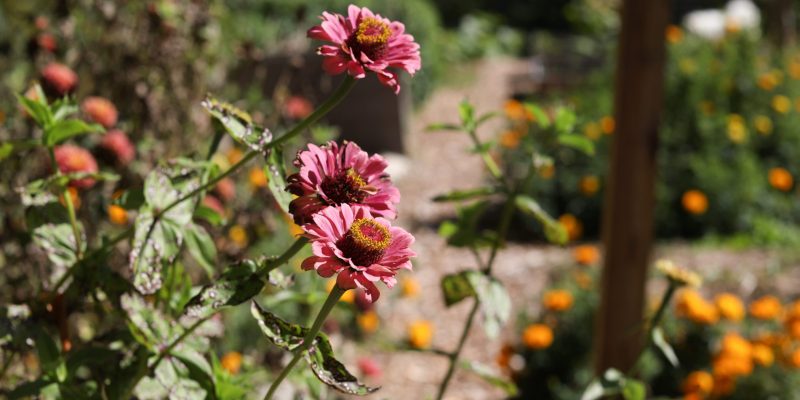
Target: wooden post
630,198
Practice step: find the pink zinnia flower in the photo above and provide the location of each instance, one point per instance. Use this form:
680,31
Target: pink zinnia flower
117,143
297,107
368,41
100,110
361,249
330,175
72,158
59,78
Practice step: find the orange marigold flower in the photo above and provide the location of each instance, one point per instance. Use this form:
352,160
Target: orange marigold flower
694,202
763,124
737,130
608,124
368,321
698,382
766,308
537,336
117,215
558,300
410,287
792,327
691,305
589,185
510,139
592,130
674,34
768,81
504,357
515,110
794,359
729,306
794,69
586,254
546,171
781,179
763,355
238,235
732,366
733,345
781,104
257,178
572,225
232,362
420,334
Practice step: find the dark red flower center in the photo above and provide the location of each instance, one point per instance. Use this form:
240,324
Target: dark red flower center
365,242
371,38
344,187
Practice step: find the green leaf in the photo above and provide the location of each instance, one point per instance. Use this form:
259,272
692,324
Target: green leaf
441,126
319,354
9,147
467,114
468,194
565,120
149,326
172,380
58,242
577,142
463,232
485,117
130,199
239,283
29,390
276,178
238,124
209,215
539,115
661,343
457,287
47,190
492,377
47,350
611,383
553,230
494,300
157,241
201,246
63,130
156,244
633,389
38,110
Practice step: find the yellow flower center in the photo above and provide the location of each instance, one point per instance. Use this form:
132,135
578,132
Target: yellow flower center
365,241
371,38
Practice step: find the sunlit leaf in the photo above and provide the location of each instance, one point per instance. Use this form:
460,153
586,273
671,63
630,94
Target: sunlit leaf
539,115
666,349
276,178
495,303
63,130
457,287
577,142
468,194
58,242
39,111
564,120
238,124
553,230
239,283
492,377
443,127
319,355
201,246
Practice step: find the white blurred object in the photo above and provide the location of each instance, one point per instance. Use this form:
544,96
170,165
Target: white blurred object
708,24
742,14
399,165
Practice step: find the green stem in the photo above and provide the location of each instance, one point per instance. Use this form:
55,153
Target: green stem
653,325
487,159
283,258
164,352
73,221
502,231
308,340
